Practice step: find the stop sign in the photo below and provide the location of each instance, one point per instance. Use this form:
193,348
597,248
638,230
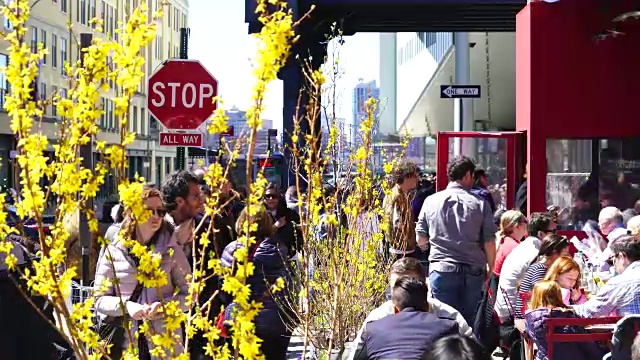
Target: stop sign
181,94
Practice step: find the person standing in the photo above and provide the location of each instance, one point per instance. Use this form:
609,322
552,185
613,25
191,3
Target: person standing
460,230
400,233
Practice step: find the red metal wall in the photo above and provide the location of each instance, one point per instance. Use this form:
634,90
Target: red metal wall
568,85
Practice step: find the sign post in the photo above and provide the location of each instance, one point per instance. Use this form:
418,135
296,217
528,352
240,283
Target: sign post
460,91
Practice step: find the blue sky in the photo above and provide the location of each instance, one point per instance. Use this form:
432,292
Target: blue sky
220,41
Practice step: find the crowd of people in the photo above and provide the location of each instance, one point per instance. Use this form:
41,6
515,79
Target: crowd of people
464,275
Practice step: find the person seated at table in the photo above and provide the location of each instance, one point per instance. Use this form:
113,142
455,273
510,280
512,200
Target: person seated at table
546,302
610,223
456,347
553,247
410,332
635,348
513,229
634,225
566,272
518,261
621,294
413,268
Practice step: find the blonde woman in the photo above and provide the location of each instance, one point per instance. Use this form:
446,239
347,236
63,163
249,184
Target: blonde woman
141,303
513,228
633,225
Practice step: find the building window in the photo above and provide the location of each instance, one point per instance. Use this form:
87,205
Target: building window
157,50
92,13
110,114
111,21
43,97
7,24
169,16
135,119
175,19
34,39
4,84
63,6
169,50
143,123
103,13
82,11
63,55
54,92
43,38
54,50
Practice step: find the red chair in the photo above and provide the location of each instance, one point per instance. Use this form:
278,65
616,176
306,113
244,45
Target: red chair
525,298
528,344
552,337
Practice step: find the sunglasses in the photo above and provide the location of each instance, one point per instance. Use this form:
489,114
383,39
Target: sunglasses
611,260
270,196
158,212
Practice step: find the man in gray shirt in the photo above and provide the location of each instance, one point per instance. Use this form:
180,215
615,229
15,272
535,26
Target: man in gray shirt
460,230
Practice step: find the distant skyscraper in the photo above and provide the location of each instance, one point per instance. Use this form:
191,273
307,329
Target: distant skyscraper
238,120
361,93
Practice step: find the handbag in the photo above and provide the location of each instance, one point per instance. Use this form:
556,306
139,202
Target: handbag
111,330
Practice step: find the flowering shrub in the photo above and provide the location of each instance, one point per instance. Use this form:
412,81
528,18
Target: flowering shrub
343,271
340,291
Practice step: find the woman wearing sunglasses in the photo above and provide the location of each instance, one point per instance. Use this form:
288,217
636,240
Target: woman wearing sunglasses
141,303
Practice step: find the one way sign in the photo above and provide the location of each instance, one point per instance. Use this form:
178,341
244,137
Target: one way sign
460,91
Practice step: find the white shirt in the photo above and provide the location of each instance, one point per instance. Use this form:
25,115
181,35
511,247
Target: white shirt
513,270
436,307
601,258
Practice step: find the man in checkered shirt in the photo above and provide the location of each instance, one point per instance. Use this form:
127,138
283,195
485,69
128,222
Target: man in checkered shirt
621,294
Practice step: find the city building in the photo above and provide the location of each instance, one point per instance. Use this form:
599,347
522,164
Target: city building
343,140
48,25
237,120
424,61
361,93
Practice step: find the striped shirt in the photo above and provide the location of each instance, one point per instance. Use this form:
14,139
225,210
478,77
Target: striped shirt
535,273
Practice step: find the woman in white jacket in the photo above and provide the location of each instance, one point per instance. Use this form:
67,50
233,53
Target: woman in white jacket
117,263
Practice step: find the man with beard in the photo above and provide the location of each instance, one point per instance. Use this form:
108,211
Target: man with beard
184,199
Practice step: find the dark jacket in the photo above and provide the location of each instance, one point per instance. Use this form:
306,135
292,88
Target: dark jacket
419,199
291,233
536,328
406,335
217,241
484,193
269,260
521,198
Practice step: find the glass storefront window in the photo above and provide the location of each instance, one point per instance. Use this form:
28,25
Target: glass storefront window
490,155
584,175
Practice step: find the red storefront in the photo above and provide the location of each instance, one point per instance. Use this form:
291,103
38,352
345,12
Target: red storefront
577,80
577,123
